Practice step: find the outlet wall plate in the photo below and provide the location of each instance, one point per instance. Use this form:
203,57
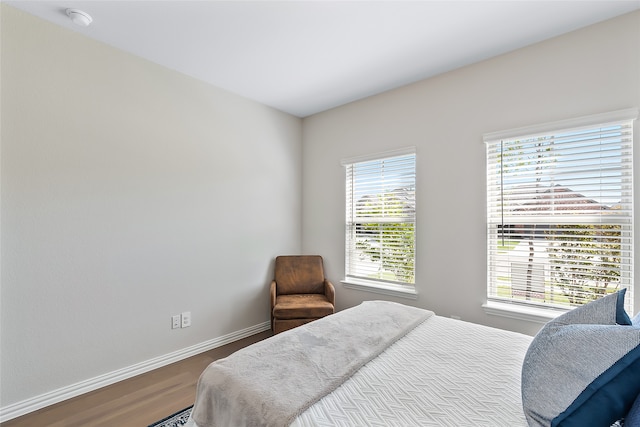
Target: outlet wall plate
175,321
186,319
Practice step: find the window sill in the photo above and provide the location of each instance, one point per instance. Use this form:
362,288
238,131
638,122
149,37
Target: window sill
513,311
381,288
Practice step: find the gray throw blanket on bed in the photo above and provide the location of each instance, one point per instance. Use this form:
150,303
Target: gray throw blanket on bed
275,380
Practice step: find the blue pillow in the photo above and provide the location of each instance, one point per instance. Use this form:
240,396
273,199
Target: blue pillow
633,417
583,368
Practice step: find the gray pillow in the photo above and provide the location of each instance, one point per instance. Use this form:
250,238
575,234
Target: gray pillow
583,368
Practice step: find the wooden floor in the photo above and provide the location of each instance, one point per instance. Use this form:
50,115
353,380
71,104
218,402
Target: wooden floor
136,402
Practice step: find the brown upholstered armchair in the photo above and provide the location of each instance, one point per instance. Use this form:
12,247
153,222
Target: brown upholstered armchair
299,292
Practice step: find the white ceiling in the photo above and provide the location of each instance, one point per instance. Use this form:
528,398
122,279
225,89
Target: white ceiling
304,57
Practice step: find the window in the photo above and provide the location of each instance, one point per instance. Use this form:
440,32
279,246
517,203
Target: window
560,212
380,222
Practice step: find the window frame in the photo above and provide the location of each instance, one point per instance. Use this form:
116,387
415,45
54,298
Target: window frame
540,312
353,281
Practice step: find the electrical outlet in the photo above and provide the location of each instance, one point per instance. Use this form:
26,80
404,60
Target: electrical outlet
186,319
175,321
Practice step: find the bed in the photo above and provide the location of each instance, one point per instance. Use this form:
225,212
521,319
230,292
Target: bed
376,364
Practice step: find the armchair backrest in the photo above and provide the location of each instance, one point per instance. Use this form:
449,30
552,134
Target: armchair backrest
299,274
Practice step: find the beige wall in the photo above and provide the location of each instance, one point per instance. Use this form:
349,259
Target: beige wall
593,70
130,193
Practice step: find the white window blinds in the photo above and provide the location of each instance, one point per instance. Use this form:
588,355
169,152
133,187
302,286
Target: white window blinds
560,212
380,219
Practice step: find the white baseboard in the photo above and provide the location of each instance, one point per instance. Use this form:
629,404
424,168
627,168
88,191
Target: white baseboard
33,404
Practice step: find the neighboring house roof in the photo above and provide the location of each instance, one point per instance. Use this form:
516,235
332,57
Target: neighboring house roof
557,198
403,197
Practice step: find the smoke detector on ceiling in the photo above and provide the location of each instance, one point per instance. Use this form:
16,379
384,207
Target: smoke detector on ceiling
79,17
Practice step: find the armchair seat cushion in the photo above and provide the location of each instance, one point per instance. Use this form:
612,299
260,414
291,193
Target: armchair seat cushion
298,306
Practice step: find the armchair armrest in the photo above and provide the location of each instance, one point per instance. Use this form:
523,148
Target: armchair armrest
273,293
330,291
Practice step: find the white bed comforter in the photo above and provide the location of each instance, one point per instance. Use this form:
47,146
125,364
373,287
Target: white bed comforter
443,373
